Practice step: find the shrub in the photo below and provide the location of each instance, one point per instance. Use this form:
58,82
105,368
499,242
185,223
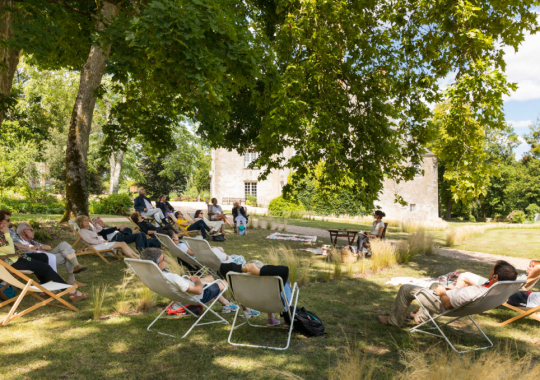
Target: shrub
115,204
24,206
532,210
279,205
517,216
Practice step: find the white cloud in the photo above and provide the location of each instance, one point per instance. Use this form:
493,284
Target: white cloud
523,68
519,123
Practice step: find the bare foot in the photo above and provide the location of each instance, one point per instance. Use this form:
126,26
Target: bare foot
384,319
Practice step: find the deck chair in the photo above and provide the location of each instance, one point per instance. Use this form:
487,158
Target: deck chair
204,254
262,293
181,231
153,278
14,277
169,244
494,297
383,235
523,311
88,249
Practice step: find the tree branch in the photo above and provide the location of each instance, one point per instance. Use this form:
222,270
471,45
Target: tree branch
63,4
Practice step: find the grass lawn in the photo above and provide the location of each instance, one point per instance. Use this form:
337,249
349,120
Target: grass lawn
512,242
51,343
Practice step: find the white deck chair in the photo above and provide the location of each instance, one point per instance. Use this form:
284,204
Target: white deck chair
169,244
8,273
494,297
204,254
153,278
262,293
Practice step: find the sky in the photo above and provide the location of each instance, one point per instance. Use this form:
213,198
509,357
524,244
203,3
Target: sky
522,107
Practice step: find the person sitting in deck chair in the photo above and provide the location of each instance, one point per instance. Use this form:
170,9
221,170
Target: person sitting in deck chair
144,206
36,262
164,205
63,253
125,234
194,285
216,213
257,268
451,297
147,227
183,247
216,225
470,279
376,231
239,215
90,236
186,225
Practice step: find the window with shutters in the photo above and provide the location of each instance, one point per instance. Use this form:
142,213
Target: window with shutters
250,188
249,157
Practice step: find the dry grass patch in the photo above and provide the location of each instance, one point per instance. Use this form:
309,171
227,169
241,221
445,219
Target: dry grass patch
98,296
384,254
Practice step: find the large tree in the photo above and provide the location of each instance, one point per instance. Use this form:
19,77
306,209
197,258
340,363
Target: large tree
9,55
349,83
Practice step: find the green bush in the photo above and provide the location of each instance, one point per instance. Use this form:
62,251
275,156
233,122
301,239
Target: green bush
115,204
24,206
532,210
278,206
517,216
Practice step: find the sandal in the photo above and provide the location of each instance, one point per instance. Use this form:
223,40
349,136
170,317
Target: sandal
78,296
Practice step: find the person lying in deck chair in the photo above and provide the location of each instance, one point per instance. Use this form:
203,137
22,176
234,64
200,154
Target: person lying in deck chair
194,285
257,268
89,235
36,262
63,253
125,234
144,206
469,278
451,297
147,227
186,225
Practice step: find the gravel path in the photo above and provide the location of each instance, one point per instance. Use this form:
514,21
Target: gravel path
479,257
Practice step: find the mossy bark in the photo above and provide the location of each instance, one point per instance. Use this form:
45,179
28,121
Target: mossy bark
80,124
9,57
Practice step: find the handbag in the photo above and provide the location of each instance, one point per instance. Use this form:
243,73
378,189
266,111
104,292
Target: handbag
219,237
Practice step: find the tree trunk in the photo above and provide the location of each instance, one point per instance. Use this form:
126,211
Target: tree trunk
116,166
449,208
9,58
81,123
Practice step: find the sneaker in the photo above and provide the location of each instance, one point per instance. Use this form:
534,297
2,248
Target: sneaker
272,322
227,309
251,313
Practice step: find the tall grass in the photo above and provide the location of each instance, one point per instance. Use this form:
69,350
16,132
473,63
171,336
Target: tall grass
122,305
98,296
459,235
146,299
335,260
268,224
383,254
299,270
419,243
414,225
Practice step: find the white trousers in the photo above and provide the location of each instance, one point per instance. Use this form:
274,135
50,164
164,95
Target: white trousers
155,213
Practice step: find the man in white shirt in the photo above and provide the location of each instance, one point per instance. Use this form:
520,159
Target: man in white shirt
201,288
145,208
450,297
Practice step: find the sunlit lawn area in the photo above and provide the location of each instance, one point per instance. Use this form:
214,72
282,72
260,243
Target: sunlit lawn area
515,242
50,343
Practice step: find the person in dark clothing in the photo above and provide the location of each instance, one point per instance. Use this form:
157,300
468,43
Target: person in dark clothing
239,210
257,268
148,228
125,234
164,206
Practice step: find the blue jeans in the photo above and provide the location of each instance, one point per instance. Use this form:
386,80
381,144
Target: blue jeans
199,225
288,293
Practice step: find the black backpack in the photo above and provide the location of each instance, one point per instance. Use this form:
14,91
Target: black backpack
305,322
219,237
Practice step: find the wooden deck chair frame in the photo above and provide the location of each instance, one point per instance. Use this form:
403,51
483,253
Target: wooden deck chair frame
523,311
463,311
13,277
88,249
187,299
205,255
383,235
267,296
169,244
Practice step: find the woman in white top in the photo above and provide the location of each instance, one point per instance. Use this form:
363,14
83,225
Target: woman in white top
216,225
216,213
376,231
89,235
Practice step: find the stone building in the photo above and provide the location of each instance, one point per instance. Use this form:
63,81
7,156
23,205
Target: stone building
231,178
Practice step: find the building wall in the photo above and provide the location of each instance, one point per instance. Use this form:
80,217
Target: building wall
422,192
229,176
